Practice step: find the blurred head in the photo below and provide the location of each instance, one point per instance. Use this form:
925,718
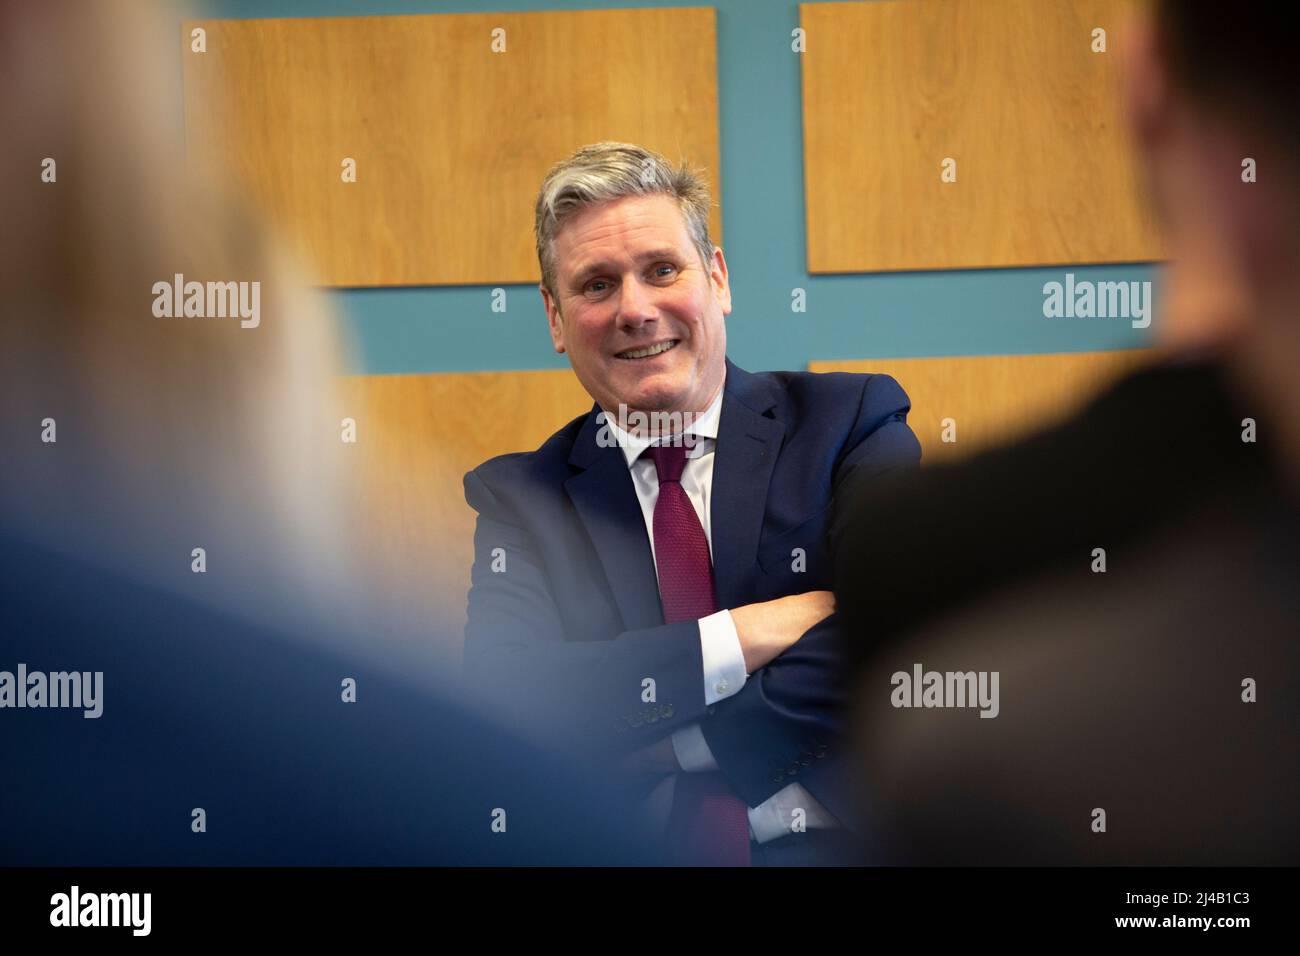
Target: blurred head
635,292
164,434
1209,89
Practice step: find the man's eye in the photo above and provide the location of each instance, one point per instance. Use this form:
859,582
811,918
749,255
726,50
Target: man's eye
665,265
594,284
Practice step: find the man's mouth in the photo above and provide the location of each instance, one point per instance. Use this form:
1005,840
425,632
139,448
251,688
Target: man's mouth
649,351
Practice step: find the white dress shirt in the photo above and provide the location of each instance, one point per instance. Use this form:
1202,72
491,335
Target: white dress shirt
724,661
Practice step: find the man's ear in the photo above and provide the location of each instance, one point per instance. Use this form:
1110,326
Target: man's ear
553,318
1146,92
721,284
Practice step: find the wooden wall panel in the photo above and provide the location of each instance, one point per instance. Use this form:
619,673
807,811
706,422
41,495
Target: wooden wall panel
451,139
1011,90
417,436
993,398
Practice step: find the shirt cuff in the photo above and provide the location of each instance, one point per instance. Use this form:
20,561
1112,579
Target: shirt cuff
774,817
724,660
692,750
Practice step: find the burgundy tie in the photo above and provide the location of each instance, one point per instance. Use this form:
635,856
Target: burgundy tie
708,825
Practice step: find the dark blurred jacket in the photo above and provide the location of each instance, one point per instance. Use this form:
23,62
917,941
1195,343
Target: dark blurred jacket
205,711
1120,691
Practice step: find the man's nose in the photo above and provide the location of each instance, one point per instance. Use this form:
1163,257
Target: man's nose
636,304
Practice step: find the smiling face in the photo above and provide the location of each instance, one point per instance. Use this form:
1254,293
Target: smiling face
640,316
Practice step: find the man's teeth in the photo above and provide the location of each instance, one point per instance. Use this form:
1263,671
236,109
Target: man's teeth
647,352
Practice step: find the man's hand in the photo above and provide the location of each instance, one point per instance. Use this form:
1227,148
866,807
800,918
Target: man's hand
767,628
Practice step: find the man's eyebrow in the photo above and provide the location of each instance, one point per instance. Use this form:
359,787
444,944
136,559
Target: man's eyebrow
593,268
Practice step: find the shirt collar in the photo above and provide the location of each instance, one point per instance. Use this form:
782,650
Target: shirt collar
704,425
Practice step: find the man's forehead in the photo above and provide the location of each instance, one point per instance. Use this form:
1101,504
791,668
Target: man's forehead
638,227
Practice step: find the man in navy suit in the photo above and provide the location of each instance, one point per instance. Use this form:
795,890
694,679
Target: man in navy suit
652,582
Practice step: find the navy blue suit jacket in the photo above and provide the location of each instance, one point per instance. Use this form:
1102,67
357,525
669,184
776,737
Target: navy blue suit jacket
565,622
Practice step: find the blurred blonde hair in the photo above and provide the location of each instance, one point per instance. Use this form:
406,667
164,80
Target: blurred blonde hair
172,433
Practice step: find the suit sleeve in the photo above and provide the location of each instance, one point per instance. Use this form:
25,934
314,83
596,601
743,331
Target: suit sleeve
519,663
784,725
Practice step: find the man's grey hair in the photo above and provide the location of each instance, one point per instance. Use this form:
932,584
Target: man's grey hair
602,172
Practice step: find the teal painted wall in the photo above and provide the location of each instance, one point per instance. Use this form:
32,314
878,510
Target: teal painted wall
966,312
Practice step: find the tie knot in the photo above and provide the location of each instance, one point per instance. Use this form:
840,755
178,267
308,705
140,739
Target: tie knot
670,461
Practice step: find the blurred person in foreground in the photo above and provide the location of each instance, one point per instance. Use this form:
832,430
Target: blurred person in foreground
165,705
1148,713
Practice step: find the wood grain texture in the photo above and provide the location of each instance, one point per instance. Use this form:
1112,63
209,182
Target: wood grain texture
993,398
1012,91
417,436
451,139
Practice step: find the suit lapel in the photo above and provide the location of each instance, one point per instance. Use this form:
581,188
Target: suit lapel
606,502
605,498
748,445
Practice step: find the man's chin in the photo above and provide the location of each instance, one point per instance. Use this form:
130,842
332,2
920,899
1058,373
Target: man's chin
658,393
653,401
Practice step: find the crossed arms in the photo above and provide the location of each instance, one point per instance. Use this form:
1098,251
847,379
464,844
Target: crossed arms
780,724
